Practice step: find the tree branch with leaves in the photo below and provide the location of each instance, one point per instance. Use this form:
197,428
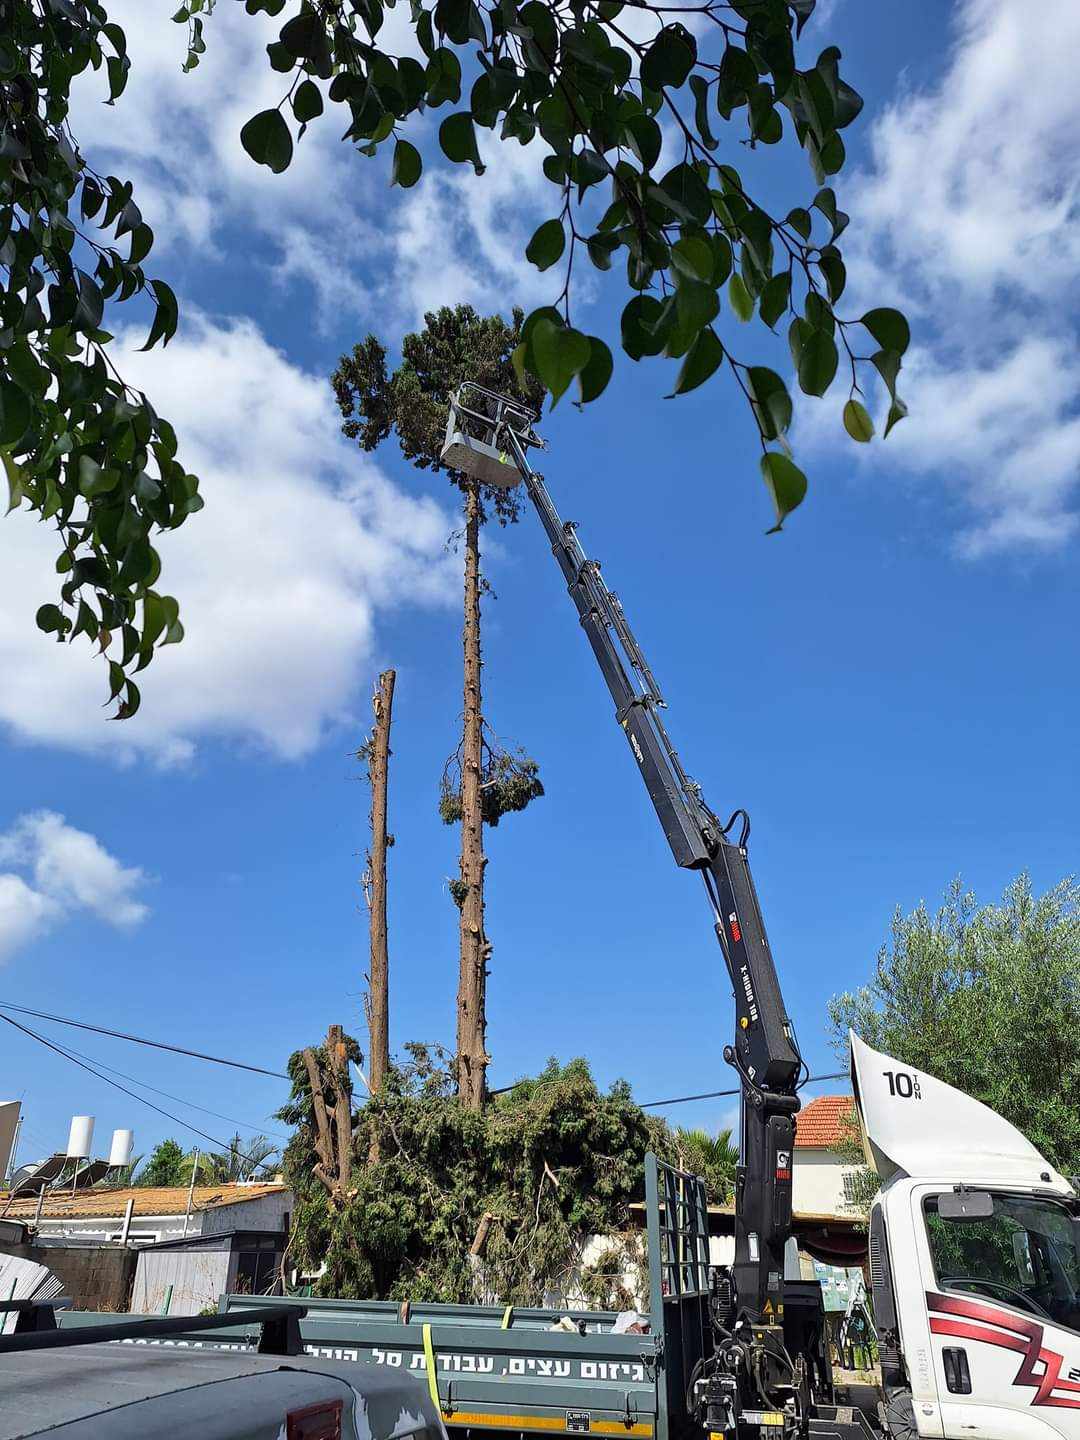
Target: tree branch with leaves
594,82
80,447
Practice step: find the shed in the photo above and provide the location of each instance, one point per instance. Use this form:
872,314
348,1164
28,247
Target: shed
183,1277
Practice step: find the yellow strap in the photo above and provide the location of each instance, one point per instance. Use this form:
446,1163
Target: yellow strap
508,1315
432,1378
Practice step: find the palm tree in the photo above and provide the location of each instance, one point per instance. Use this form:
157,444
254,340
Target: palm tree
714,1157
240,1162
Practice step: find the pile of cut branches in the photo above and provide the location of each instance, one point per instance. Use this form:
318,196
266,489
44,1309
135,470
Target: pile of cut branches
465,1206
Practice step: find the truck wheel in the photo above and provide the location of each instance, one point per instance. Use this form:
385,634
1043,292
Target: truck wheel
900,1415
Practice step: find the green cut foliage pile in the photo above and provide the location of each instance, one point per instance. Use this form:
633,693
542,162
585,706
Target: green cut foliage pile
539,1170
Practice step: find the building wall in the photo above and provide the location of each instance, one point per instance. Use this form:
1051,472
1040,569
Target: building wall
261,1212
818,1182
197,1278
264,1212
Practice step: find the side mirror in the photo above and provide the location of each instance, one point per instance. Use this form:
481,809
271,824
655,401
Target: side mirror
965,1205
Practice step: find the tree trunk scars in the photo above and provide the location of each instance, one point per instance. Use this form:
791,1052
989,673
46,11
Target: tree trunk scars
471,1054
378,977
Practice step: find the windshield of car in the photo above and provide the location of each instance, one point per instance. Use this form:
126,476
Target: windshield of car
1026,1254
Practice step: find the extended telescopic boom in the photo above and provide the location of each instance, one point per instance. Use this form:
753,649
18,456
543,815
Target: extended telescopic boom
489,436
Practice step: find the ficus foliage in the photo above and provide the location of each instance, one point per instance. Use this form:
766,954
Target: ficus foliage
550,1162
80,448
594,83
986,998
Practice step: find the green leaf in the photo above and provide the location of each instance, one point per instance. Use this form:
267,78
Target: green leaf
771,401
693,256
546,245
91,305
700,86
457,137
443,77
701,361
832,267
307,102
52,619
407,165
857,422
698,304
739,297
16,412
832,154
889,329
669,59
166,315
644,139
267,140
786,484
887,364
684,188
560,353
93,480
817,362
300,35
593,379
774,298
897,412
800,222
638,319
15,477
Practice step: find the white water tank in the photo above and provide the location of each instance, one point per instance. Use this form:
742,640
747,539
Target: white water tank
80,1137
122,1147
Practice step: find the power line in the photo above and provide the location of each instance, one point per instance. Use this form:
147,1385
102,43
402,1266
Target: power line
82,1064
141,1040
716,1094
189,1104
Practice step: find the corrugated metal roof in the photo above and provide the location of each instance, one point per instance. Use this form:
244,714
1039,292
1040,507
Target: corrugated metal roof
149,1200
825,1121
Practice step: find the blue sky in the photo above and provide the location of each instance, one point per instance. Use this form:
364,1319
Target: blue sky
889,687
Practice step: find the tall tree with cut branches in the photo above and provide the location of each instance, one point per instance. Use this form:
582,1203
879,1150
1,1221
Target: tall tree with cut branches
482,781
376,751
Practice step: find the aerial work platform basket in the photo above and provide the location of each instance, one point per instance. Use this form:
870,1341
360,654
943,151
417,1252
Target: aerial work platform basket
476,435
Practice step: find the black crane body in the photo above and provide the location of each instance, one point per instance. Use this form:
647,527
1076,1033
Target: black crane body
489,436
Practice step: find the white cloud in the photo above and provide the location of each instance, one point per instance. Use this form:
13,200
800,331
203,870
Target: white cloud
302,539
461,237
331,217
24,913
71,871
968,217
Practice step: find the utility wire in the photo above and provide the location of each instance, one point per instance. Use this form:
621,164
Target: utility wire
188,1104
715,1094
224,1145
140,1040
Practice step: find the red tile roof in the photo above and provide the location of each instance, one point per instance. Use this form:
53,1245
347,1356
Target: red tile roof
824,1121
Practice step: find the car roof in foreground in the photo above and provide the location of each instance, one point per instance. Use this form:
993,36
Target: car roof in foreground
42,1389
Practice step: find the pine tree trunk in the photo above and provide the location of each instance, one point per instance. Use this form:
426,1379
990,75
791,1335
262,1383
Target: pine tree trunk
378,975
472,1057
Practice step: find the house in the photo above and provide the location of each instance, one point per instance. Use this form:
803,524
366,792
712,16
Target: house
94,1240
822,1180
146,1215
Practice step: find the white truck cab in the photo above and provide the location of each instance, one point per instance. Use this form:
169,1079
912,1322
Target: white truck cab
975,1264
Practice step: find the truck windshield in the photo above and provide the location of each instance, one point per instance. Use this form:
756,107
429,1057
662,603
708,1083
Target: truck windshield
1026,1254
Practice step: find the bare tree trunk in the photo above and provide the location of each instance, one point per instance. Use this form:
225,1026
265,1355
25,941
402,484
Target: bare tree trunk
378,978
472,1057
342,1085
333,1126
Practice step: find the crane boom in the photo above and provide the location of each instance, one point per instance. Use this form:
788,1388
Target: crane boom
489,436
